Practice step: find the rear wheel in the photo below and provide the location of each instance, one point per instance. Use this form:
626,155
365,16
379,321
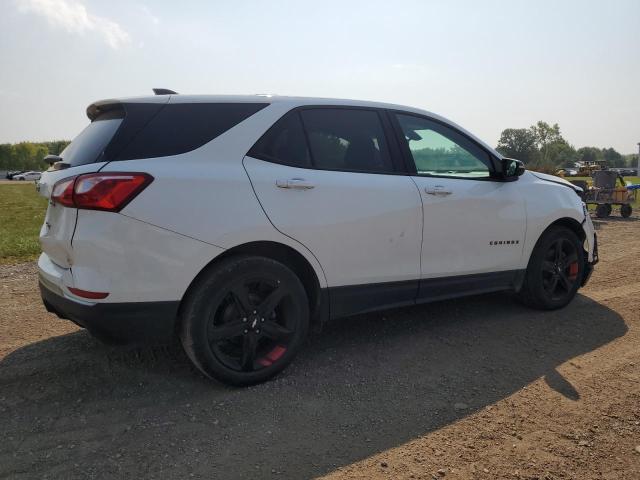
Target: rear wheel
555,270
603,210
245,320
625,210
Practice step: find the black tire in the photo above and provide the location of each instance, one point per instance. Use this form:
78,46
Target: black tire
603,210
626,210
244,320
555,270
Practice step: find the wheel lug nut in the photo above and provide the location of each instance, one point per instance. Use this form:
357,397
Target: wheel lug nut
262,319
244,319
246,331
258,331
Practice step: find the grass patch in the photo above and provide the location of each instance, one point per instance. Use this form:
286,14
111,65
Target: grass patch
22,212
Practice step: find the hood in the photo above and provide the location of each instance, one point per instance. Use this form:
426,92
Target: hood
553,179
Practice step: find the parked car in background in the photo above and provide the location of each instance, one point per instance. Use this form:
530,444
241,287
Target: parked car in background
239,223
32,175
13,173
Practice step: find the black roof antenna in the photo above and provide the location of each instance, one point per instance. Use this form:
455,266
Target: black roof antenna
164,91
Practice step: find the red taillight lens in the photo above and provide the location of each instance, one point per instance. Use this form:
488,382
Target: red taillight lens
108,191
100,191
88,294
63,192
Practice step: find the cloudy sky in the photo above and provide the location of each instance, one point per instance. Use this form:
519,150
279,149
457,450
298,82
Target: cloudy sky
487,65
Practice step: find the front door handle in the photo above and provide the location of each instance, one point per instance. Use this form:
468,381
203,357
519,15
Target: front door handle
437,190
295,183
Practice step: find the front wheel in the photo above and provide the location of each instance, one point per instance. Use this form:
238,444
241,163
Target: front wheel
555,270
244,320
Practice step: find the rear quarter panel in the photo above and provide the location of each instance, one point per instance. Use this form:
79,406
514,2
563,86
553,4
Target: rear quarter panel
206,194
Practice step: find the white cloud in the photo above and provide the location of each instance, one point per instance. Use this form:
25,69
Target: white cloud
72,16
146,11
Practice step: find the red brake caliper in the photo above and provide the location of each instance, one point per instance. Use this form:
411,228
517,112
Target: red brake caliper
573,271
272,356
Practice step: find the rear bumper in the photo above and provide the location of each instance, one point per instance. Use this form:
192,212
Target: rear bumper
137,323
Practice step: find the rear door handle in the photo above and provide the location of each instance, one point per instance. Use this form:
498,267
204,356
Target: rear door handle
437,190
295,183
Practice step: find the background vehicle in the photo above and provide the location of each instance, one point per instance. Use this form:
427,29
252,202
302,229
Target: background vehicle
13,173
241,222
609,189
32,175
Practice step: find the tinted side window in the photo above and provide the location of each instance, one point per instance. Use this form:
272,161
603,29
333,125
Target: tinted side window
182,127
442,151
284,142
345,139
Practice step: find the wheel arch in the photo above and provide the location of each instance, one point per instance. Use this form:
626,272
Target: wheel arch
318,304
570,223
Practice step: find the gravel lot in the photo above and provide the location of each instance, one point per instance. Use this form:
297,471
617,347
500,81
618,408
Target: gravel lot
475,388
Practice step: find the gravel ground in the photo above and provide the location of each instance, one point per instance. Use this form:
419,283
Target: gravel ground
476,388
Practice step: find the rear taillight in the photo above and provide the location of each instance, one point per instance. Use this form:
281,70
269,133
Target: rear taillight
63,192
110,192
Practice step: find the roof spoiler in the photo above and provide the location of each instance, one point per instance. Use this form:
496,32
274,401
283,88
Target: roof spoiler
164,91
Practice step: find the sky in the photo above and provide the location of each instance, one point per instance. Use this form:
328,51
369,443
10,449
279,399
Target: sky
487,65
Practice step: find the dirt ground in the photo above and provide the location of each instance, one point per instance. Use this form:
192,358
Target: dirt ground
479,388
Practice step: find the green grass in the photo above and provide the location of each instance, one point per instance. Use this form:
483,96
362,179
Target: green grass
22,212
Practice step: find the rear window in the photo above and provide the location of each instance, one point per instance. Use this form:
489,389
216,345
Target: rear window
90,144
148,130
182,127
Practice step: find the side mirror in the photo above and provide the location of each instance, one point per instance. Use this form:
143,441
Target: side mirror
511,168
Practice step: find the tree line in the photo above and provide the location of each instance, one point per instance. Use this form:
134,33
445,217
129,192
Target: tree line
542,147
29,155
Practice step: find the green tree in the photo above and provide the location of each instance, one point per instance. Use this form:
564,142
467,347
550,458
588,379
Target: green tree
613,158
6,156
519,143
589,154
547,139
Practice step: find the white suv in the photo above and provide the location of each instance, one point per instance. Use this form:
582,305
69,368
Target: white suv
237,223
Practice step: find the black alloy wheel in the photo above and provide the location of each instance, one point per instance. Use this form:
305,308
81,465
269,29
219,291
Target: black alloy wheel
560,269
555,270
244,319
253,326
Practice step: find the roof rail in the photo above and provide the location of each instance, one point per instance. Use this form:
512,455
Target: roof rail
164,91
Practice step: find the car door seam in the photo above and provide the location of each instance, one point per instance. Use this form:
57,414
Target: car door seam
276,228
421,235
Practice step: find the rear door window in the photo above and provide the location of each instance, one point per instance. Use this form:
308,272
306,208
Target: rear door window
347,139
284,143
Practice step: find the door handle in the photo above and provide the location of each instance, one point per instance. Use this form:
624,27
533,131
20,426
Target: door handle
295,183
437,190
